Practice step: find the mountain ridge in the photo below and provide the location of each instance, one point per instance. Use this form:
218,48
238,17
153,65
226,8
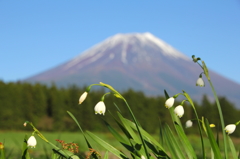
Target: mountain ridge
139,61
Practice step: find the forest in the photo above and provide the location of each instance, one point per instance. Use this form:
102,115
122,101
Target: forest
46,106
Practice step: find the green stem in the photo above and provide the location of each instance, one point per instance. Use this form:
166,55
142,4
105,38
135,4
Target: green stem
221,118
200,131
117,94
135,121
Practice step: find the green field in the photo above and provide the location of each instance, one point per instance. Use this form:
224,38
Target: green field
13,142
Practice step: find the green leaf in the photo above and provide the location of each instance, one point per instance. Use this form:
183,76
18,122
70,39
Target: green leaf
188,98
214,146
187,145
25,154
106,155
72,116
149,140
205,69
166,94
232,148
62,152
122,127
129,129
107,146
172,144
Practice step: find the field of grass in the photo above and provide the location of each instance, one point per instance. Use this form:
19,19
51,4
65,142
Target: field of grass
13,142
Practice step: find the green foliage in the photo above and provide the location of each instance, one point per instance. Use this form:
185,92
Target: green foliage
47,105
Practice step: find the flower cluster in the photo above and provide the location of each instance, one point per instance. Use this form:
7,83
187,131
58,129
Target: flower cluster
100,107
179,111
92,151
72,147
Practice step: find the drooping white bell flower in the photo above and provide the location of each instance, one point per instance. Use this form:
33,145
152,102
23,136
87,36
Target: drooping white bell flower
230,128
100,108
200,82
83,97
179,111
189,124
32,142
169,102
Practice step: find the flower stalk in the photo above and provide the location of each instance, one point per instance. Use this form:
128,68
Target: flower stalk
205,69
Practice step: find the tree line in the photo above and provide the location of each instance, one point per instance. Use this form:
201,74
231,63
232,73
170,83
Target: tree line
46,106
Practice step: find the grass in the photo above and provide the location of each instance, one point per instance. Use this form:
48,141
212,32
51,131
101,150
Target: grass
13,141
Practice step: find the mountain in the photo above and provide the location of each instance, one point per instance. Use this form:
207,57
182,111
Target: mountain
139,61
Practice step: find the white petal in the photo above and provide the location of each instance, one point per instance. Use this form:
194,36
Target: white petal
100,108
189,124
32,142
169,102
230,128
83,97
142,157
179,111
200,82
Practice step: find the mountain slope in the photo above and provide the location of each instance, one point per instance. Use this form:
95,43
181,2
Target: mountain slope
139,61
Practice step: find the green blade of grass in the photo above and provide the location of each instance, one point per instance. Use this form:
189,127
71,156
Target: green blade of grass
107,146
25,154
106,155
214,146
187,145
115,133
232,148
129,129
172,144
88,143
150,141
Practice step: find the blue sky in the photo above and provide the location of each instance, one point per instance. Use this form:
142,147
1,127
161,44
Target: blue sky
38,35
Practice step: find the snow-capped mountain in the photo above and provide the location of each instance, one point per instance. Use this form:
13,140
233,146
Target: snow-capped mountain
140,61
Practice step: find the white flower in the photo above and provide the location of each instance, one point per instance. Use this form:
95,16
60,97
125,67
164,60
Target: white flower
100,108
200,82
83,97
32,142
169,102
230,128
142,157
189,124
179,111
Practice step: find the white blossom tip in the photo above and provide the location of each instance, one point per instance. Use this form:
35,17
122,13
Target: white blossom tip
169,102
83,97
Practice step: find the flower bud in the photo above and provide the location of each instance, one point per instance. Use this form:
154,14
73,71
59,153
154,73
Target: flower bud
230,128
212,125
83,97
169,102
189,124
